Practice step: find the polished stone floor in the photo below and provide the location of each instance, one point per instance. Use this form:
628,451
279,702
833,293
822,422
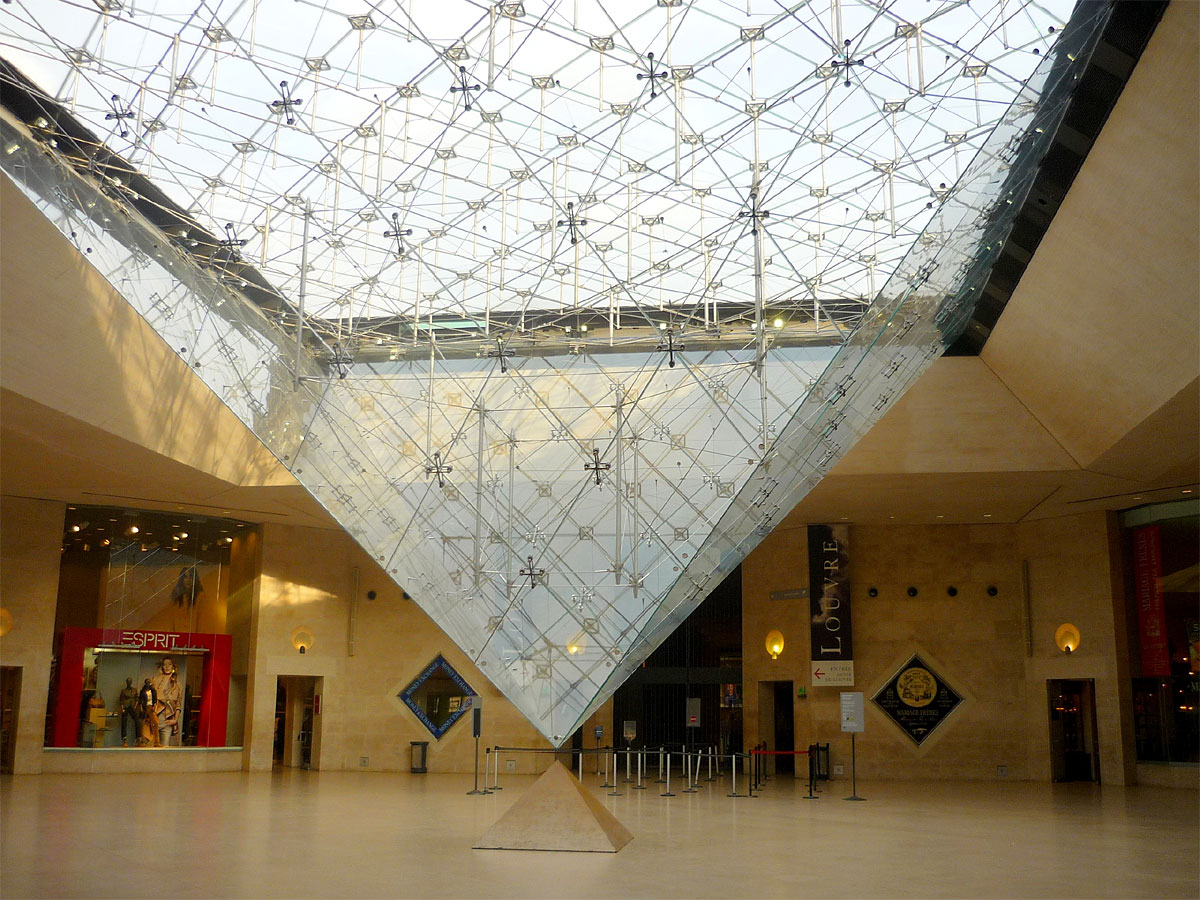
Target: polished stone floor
347,834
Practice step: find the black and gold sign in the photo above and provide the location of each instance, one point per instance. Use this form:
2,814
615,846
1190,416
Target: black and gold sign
917,699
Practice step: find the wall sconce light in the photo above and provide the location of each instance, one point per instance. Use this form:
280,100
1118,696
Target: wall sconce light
302,639
1067,638
774,643
6,621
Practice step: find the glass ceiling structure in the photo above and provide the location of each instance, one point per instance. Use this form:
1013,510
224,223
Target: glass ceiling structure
558,307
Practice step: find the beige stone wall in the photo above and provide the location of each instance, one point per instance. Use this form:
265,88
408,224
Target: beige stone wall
30,542
1073,578
976,642
307,580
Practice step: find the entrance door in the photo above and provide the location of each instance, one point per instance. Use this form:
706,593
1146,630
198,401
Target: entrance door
785,728
10,699
297,723
1074,744
776,725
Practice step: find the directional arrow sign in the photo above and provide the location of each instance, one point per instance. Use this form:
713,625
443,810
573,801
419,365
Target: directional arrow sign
833,673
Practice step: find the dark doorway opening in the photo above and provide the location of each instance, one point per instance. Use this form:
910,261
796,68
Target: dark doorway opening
10,702
1074,743
785,729
297,728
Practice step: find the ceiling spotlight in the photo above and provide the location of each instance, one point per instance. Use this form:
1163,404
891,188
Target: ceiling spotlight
133,529
779,323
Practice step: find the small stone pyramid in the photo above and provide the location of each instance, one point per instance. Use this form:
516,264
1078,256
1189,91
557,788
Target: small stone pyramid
556,813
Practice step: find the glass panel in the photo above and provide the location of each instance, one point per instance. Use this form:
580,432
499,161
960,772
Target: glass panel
139,699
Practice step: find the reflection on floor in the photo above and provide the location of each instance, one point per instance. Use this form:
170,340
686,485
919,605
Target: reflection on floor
344,834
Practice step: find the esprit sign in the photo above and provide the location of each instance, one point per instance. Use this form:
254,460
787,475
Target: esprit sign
151,640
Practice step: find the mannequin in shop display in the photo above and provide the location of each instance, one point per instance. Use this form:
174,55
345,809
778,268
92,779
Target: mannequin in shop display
170,701
127,704
147,701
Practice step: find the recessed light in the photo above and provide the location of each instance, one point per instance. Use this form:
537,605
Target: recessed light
941,517
987,515
1186,491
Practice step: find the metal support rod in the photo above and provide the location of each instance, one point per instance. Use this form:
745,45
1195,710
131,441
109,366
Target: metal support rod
300,299
659,780
628,763
581,766
687,773
641,757
712,751
606,784
496,777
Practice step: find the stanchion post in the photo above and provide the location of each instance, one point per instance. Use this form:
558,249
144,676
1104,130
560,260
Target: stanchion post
853,772
659,780
496,778
614,792
581,765
710,753
812,768
668,793
687,773
733,769
476,789
641,757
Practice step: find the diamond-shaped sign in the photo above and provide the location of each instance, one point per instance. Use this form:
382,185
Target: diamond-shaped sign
917,699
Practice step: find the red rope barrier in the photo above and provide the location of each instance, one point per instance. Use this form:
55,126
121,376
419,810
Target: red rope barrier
779,752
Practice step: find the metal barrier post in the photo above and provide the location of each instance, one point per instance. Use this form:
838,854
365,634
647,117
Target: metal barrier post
606,784
687,770
581,765
812,772
712,751
659,780
668,791
613,792
733,763
641,758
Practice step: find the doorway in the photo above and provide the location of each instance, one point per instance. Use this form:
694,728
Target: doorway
1074,743
297,722
10,701
776,724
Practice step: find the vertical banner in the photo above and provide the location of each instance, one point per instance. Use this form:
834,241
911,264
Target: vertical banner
1152,626
829,599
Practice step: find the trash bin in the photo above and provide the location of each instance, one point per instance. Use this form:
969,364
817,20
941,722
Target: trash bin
419,750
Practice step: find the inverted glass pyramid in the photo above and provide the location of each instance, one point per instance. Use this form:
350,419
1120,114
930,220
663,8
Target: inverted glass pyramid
557,330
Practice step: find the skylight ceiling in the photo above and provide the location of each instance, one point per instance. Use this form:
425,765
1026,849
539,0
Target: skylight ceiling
767,244
501,166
